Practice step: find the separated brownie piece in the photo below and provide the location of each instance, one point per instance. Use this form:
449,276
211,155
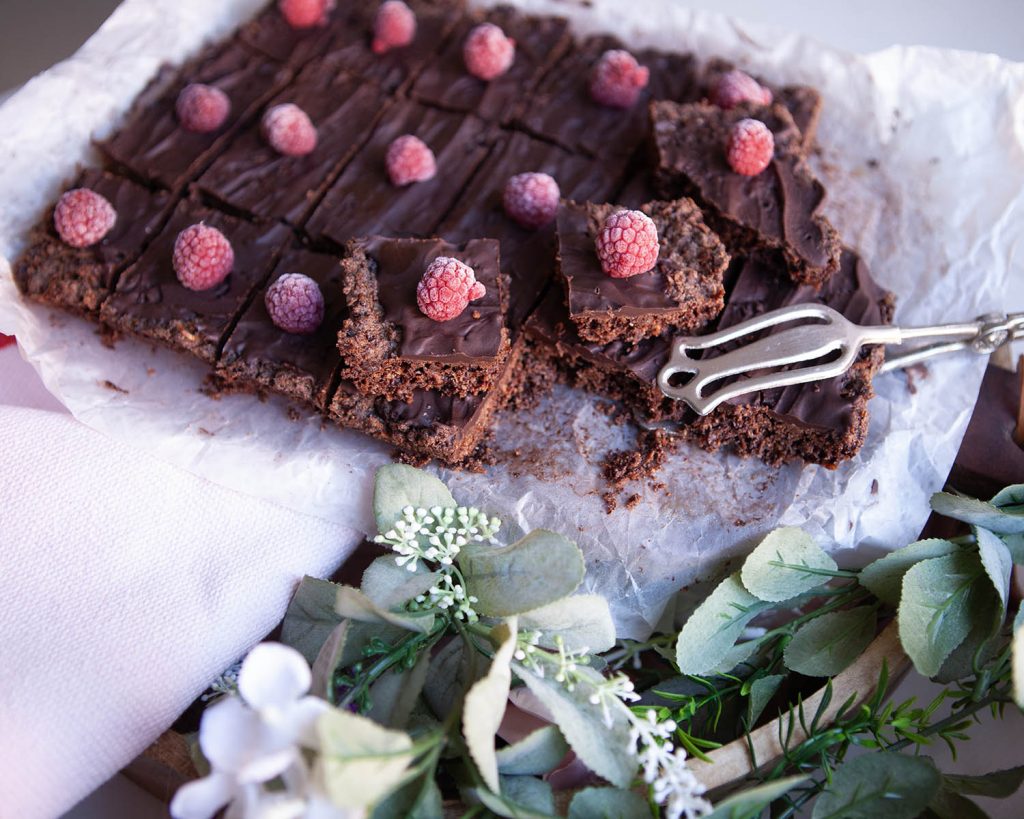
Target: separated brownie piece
154,146
395,340
683,291
150,300
80,278
254,178
778,207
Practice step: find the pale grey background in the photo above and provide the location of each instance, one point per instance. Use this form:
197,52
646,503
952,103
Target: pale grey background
37,33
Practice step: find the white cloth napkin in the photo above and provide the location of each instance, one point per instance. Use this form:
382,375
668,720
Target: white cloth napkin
124,581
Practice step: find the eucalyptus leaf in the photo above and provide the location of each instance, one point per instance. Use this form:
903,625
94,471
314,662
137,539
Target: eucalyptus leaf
711,631
1012,495
947,804
327,662
583,621
996,785
1015,544
502,806
751,802
765,578
997,561
452,671
761,692
397,486
980,645
485,703
940,600
608,803
310,617
420,799
355,605
393,696
535,754
884,577
881,785
1003,520
827,644
1018,659
390,586
529,792
362,761
532,572
606,751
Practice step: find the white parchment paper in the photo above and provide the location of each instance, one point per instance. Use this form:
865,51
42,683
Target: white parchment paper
923,156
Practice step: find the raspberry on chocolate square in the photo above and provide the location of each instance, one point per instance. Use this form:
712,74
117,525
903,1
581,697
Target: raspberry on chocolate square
391,347
683,291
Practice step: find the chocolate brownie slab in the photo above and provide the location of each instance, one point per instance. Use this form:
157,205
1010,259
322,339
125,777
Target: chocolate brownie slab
362,201
150,302
389,346
253,178
779,208
683,291
151,144
445,82
79,279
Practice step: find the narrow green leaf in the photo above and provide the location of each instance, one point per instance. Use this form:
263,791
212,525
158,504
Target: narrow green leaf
998,563
532,572
355,605
485,703
1003,520
750,802
398,485
884,577
766,579
583,621
826,645
535,754
327,662
608,803
390,586
761,691
310,617
880,785
708,636
997,784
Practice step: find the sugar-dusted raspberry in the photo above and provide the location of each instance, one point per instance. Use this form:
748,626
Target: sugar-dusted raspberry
751,147
289,130
627,244
488,53
306,13
409,160
734,87
203,257
83,217
618,79
295,303
393,27
202,108
447,288
531,199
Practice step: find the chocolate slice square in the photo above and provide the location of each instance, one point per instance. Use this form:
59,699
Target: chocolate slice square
151,303
79,279
391,348
779,208
683,292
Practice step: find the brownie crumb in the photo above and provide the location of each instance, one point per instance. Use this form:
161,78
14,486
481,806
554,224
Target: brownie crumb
623,467
110,385
632,501
611,502
294,414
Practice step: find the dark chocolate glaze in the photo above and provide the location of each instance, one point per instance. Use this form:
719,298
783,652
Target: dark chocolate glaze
445,82
271,35
153,146
362,201
248,175
150,301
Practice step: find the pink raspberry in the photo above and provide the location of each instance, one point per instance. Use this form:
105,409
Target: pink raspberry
289,130
447,288
627,244
83,217
409,160
618,79
202,108
203,257
295,304
306,13
751,147
531,199
488,53
734,87
394,26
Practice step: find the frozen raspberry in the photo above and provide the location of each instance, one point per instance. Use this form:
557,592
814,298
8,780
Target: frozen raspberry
289,130
295,303
305,13
202,257
409,160
627,244
83,217
447,288
751,147
531,199
202,108
618,79
736,86
488,52
394,26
